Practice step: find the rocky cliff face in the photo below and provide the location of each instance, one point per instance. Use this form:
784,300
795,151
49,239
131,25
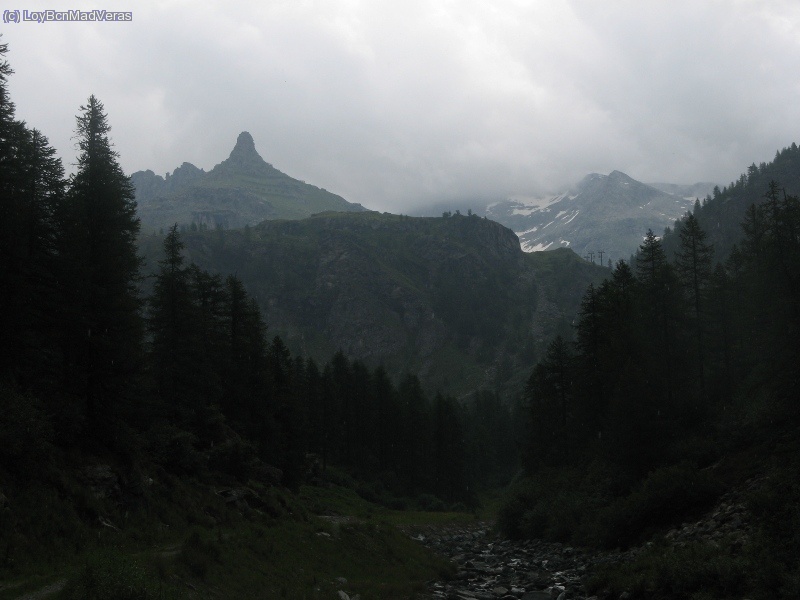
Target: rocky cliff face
241,190
454,299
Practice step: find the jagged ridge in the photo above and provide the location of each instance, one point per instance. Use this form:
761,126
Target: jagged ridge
242,190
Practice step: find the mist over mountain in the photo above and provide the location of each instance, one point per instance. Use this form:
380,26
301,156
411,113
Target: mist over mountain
241,190
608,213
688,191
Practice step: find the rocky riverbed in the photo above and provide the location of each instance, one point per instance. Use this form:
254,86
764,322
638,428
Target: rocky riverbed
492,568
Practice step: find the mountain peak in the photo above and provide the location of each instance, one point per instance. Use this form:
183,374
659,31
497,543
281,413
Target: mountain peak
244,160
619,176
245,146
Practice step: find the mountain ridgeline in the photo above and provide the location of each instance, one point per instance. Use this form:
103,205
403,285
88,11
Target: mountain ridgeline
241,190
607,213
453,300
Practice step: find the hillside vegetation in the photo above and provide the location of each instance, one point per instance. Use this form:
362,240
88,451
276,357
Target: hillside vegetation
453,300
681,384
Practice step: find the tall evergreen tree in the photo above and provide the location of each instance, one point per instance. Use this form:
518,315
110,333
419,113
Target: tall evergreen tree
659,292
449,477
246,375
589,362
31,187
549,395
103,334
694,264
172,321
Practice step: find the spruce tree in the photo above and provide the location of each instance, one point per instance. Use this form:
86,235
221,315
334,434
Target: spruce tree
171,322
549,393
31,186
694,264
659,312
449,476
103,330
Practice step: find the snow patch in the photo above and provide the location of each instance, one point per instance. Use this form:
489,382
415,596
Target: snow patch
572,217
531,203
525,211
521,233
528,247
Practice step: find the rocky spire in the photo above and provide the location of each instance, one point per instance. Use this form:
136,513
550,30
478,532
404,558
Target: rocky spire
244,160
245,147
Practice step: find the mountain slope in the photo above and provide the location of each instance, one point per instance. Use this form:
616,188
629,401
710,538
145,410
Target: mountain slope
722,213
603,213
241,190
454,299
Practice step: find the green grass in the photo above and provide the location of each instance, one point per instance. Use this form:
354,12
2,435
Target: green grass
343,501
306,560
179,551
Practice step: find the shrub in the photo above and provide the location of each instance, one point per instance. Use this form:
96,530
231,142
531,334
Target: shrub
199,554
111,577
26,434
430,502
699,570
235,458
663,498
776,511
175,449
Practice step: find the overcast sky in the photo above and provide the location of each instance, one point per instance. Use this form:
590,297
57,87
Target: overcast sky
399,103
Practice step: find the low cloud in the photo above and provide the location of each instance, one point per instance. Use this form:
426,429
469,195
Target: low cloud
399,104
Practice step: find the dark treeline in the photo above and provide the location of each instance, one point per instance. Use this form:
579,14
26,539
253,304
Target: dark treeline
720,214
187,378
681,382
663,348
211,364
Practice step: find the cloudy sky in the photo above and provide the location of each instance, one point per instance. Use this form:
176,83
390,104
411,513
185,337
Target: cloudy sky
396,103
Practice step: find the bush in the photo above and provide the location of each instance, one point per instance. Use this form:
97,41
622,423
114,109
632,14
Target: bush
175,449
199,554
700,570
111,577
663,498
430,502
235,458
776,545
518,498
555,504
26,434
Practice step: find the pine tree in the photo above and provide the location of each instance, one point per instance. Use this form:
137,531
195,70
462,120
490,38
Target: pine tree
659,312
589,361
549,395
416,434
31,187
103,330
694,263
449,477
388,415
171,323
